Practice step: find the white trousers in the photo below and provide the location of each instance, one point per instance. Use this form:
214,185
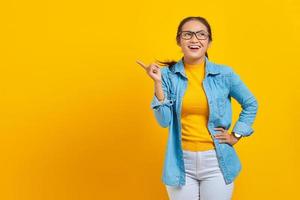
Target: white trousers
204,180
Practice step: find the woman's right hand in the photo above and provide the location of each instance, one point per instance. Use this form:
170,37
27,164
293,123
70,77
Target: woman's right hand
153,70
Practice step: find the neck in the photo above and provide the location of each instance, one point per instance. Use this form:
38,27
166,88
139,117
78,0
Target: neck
190,61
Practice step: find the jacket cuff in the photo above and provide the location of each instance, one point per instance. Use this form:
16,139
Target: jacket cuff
242,128
156,103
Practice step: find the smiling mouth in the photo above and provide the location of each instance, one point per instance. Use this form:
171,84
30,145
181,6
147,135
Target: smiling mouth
194,47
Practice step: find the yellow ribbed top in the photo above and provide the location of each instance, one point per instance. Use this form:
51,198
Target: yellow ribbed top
195,111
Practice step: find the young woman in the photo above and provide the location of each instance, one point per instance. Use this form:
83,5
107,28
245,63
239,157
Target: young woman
193,98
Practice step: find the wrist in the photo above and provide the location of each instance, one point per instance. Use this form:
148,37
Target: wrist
236,135
157,82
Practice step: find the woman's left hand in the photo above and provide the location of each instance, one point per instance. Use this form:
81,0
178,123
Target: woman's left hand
225,137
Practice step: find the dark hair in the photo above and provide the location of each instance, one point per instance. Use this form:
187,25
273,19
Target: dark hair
187,19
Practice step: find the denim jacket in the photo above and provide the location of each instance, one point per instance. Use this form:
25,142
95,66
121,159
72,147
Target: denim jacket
220,84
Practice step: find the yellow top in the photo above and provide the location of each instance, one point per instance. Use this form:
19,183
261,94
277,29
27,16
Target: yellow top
195,111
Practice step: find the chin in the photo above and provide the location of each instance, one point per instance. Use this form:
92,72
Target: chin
194,57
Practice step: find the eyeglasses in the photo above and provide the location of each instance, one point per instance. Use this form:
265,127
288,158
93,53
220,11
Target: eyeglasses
200,35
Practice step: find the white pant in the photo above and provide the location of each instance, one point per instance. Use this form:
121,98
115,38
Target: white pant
204,180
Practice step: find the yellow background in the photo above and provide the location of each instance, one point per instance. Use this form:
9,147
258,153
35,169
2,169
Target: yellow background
75,117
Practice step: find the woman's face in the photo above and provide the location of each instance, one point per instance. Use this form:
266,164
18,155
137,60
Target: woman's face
192,47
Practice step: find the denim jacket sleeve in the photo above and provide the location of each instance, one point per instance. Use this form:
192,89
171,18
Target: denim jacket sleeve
248,102
162,110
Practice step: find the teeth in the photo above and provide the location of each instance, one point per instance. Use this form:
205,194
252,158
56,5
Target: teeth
194,46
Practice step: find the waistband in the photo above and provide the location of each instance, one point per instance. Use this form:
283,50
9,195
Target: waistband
211,151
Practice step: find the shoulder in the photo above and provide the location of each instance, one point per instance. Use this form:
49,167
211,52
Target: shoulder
224,69
165,71
165,75
227,72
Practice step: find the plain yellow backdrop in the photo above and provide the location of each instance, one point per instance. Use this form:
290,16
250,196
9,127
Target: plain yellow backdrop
76,121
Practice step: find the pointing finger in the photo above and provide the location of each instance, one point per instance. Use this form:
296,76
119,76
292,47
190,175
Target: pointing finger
142,64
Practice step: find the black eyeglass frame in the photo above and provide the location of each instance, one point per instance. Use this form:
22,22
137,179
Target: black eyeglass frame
194,33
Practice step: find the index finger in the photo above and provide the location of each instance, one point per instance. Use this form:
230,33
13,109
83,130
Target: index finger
142,64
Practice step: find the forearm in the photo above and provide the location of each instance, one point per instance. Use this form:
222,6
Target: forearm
161,104
158,90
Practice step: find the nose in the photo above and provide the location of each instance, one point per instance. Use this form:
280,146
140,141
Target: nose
194,38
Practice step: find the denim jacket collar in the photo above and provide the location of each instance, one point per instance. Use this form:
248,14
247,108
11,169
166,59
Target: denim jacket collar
209,68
